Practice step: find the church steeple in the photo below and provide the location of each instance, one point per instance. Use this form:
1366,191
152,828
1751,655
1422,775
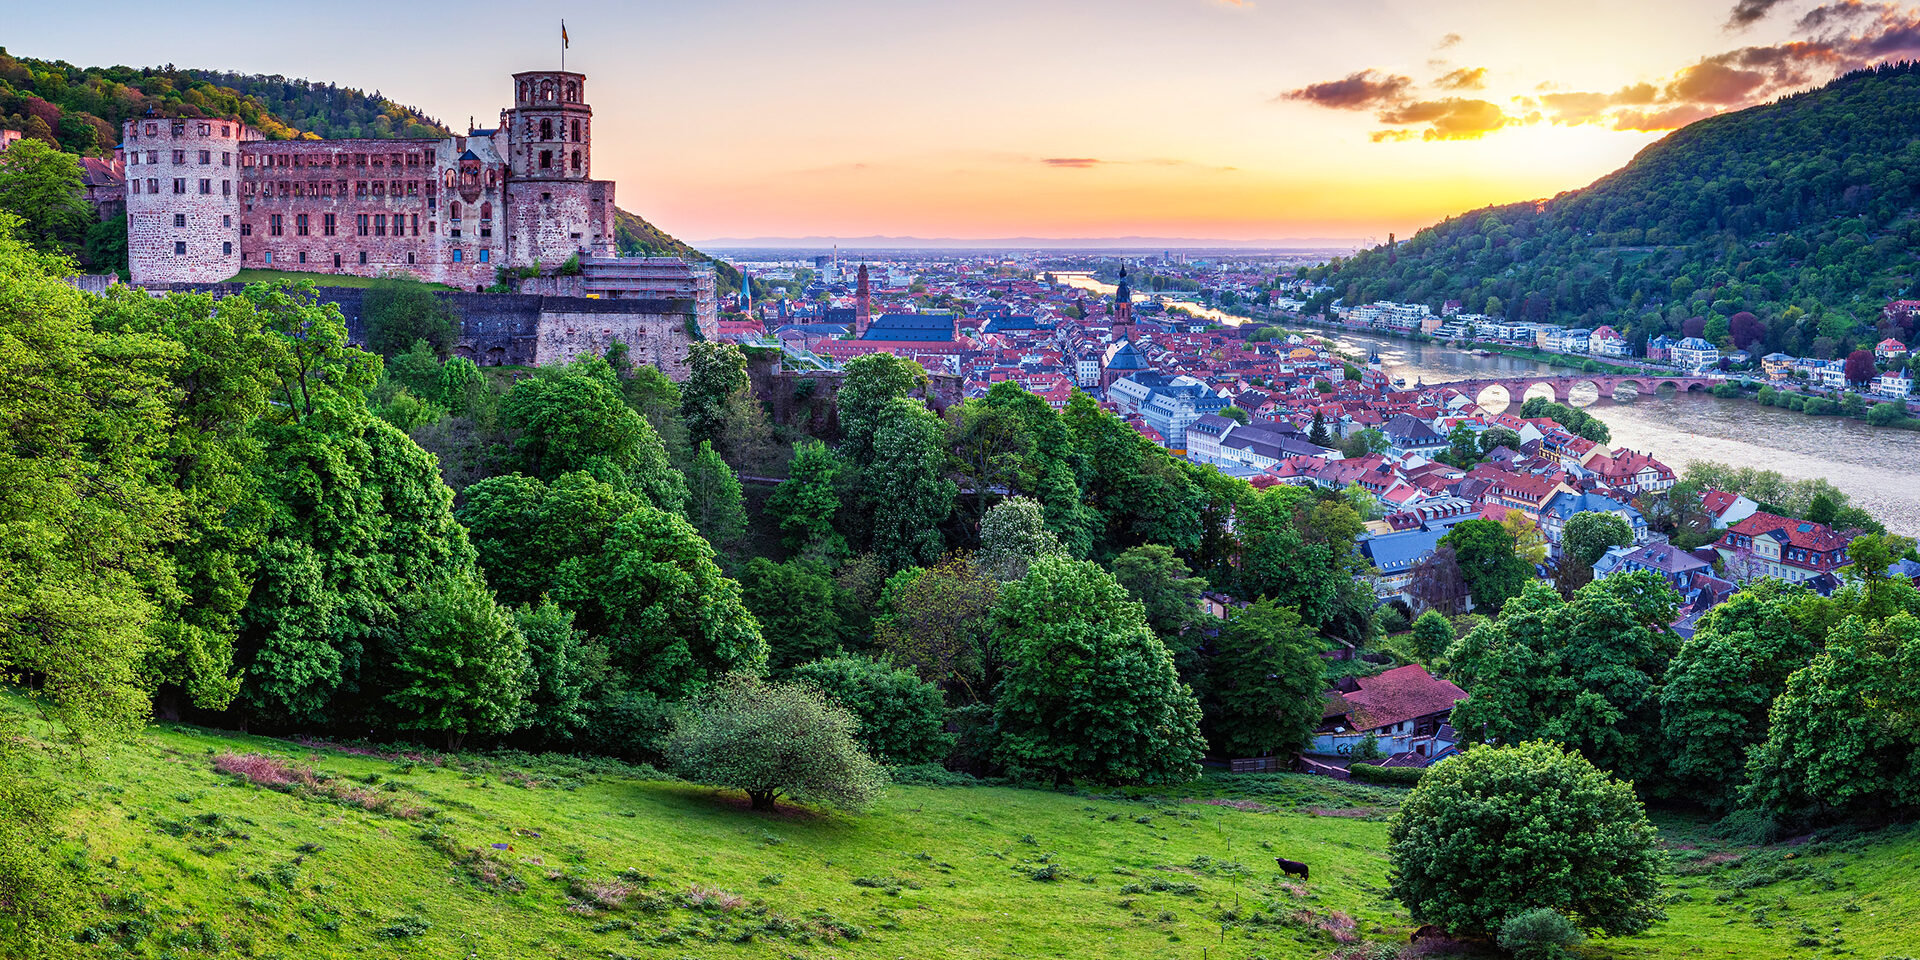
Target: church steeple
1122,325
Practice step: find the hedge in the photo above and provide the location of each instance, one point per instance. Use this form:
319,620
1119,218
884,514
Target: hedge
1389,776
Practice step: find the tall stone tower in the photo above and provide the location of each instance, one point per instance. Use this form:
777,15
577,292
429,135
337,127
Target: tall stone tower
862,303
183,198
1122,325
555,209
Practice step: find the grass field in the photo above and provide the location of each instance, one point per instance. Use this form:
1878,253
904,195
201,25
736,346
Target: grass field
318,279
420,855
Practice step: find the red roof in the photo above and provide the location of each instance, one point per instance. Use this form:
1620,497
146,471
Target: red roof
1804,534
1396,696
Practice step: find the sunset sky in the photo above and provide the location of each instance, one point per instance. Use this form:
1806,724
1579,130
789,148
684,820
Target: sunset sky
1050,118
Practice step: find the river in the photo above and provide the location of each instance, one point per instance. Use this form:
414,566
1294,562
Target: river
1085,281
1879,469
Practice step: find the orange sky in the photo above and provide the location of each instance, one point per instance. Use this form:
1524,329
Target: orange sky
1064,118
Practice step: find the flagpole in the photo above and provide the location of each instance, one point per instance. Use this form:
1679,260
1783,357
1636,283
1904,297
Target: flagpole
563,46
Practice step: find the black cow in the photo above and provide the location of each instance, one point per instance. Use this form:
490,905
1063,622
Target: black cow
1291,867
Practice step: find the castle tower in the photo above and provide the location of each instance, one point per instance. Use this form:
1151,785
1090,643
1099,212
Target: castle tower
183,199
1122,325
555,209
862,303
550,128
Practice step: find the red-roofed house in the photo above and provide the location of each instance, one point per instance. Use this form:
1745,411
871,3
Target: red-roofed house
1765,545
1404,708
1725,508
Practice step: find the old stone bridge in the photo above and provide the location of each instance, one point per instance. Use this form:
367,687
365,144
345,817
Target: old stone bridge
1562,386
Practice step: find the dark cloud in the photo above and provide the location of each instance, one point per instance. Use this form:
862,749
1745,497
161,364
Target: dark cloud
1463,79
1078,163
1844,11
1364,90
1746,13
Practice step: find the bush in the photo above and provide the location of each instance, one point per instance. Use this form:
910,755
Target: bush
902,717
1386,776
769,739
1535,818
1538,934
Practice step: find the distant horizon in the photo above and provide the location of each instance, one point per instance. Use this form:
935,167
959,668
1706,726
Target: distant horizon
1063,244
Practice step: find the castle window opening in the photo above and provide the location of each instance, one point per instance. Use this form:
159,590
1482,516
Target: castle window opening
453,210
379,224
274,224
179,184
336,261
576,131
546,197
300,227
546,159
226,249
224,131
226,221
226,188
226,158
206,185
179,128
456,256
246,160
483,255
416,224
179,219
269,256
546,89
206,129
363,224
246,228
486,210
135,184
153,129
206,157
303,256
153,184
327,226
576,161
153,156
546,129
179,156
179,248
409,259
363,256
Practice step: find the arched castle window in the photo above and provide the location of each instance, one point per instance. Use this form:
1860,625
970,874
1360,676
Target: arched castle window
453,210
523,90
573,92
449,178
576,131
576,161
546,89
546,129
491,174
486,210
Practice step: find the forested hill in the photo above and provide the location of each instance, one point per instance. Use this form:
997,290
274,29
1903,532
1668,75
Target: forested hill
636,237
1801,212
81,108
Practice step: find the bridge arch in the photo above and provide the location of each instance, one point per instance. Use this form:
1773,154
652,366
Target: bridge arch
1572,384
1620,383
1487,393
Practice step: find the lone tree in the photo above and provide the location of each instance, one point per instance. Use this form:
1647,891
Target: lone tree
1502,831
772,739
1590,533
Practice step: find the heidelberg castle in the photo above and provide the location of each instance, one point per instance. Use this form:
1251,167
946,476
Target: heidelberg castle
207,198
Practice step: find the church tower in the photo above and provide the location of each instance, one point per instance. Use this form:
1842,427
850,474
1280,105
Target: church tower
1122,325
862,303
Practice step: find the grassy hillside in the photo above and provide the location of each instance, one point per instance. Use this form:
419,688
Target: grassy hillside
636,237
427,855
1802,212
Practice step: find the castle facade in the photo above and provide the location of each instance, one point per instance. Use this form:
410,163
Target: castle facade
207,198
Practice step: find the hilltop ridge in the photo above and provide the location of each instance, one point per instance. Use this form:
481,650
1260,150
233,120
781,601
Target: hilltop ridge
1801,211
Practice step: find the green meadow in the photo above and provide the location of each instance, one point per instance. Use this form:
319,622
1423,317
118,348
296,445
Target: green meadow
412,853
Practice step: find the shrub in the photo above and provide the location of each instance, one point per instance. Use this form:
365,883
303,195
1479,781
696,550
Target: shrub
1535,818
1389,776
1538,934
769,739
902,719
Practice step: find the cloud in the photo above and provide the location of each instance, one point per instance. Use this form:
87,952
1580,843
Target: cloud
1451,118
1450,40
1834,38
1746,13
1363,90
1463,79
1075,163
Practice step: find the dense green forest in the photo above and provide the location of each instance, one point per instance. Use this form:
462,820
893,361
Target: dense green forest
1800,213
81,108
